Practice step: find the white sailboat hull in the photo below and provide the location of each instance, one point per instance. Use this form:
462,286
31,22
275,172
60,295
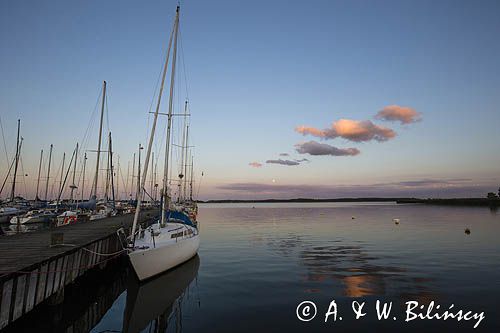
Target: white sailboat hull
27,220
153,261
32,218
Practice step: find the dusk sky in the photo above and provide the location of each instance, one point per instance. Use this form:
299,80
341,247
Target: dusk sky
288,98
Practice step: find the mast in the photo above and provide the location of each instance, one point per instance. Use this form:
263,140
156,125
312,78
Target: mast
184,190
62,171
83,177
38,179
138,190
169,123
155,184
61,189
100,137
8,174
128,177
108,170
111,169
48,172
181,171
152,175
191,180
73,186
132,179
153,126
13,189
118,178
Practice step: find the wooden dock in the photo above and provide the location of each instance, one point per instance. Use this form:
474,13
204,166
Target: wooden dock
31,270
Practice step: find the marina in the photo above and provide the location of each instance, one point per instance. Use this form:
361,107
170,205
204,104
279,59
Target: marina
33,268
249,166
51,243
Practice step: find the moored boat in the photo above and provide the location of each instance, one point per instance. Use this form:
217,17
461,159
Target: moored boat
174,238
33,216
67,217
6,213
72,217
160,248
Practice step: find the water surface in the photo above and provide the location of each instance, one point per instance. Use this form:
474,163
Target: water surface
257,262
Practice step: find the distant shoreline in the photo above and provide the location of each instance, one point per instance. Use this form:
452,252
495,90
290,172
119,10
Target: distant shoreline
484,202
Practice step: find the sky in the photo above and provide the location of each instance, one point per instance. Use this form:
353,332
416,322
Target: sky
320,99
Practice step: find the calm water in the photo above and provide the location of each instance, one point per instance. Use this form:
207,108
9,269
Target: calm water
256,265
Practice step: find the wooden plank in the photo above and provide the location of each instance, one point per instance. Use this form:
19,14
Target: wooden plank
50,279
42,284
57,274
69,268
99,250
19,300
76,264
81,263
64,270
87,260
30,298
5,305
93,256
105,249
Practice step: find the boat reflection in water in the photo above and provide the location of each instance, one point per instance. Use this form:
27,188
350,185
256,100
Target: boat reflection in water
151,303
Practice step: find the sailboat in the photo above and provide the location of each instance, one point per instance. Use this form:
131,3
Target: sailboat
92,209
174,238
34,216
185,202
15,205
104,208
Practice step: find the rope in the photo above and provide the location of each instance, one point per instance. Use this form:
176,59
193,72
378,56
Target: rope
105,254
183,65
86,139
4,143
116,254
88,250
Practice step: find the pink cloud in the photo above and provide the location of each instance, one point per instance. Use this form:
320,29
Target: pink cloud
255,164
403,114
311,131
353,130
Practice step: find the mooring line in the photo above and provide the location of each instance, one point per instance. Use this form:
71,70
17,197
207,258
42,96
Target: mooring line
113,255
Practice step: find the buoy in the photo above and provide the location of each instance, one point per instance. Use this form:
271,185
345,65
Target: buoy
396,221
467,231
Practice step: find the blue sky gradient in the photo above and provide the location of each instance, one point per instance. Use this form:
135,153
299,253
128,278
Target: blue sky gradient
256,70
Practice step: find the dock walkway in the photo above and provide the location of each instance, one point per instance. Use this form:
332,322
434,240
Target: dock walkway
31,270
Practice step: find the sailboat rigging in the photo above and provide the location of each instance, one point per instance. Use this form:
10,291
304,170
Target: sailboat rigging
174,238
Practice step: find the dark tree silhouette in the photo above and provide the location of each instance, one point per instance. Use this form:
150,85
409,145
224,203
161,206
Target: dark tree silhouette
492,196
